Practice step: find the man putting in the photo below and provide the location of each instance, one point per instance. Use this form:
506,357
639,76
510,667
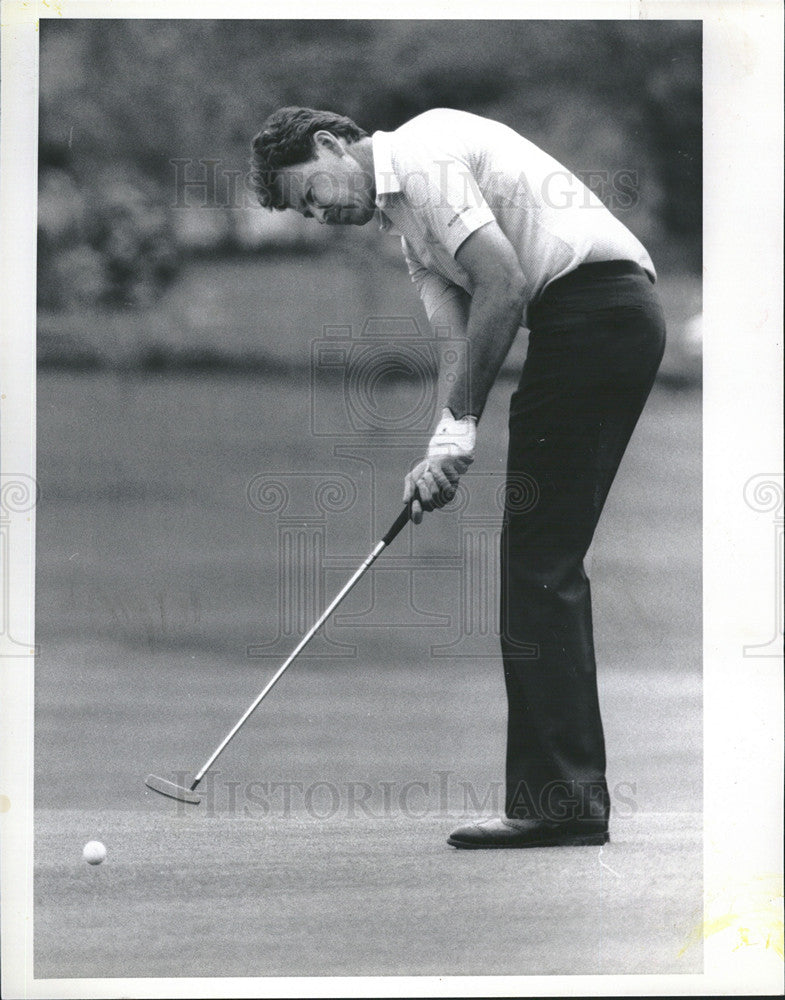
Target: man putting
498,235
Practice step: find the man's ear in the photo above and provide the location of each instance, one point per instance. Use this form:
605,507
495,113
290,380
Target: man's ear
326,140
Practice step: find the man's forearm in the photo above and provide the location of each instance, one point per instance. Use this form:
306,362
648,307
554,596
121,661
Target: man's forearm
493,320
450,322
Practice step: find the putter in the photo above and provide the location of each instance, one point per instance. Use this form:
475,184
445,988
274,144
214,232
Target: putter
182,794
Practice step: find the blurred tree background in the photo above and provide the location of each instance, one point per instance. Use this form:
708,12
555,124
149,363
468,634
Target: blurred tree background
130,109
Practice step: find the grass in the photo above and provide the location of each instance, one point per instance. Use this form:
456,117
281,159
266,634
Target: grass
154,574
200,896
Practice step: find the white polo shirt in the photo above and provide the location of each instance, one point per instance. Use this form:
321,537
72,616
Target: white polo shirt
446,173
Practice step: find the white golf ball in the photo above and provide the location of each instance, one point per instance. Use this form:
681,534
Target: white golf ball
94,852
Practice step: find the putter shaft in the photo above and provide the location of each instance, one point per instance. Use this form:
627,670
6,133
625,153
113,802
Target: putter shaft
288,661
175,791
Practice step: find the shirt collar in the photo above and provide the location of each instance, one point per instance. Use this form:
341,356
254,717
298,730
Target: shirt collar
384,176
386,180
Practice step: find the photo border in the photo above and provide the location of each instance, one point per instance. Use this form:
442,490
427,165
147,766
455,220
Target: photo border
743,202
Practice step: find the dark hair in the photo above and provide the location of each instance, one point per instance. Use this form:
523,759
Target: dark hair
286,139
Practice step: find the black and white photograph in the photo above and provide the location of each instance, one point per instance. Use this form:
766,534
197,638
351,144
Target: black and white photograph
391,501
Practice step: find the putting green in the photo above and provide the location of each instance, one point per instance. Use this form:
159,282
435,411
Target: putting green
155,574
190,894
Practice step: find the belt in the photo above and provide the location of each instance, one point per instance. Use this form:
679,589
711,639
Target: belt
591,271
611,268
603,269
594,270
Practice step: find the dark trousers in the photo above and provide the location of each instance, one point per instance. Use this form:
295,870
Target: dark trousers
596,341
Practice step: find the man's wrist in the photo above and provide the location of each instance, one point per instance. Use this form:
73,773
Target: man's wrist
453,437
449,414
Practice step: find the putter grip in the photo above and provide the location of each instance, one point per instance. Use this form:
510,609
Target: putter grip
400,523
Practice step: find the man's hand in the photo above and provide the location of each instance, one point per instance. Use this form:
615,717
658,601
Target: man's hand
433,482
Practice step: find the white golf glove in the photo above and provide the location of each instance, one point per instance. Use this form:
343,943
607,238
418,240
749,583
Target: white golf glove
433,482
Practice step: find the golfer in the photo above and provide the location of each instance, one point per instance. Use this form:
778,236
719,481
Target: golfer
497,236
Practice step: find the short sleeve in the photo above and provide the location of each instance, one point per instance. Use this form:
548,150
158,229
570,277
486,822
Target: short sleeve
441,188
433,289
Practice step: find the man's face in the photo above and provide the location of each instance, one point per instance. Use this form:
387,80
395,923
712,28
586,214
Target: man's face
333,188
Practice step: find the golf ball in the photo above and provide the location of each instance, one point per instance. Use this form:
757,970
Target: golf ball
94,852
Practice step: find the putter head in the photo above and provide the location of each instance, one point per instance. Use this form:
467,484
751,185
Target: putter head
170,789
